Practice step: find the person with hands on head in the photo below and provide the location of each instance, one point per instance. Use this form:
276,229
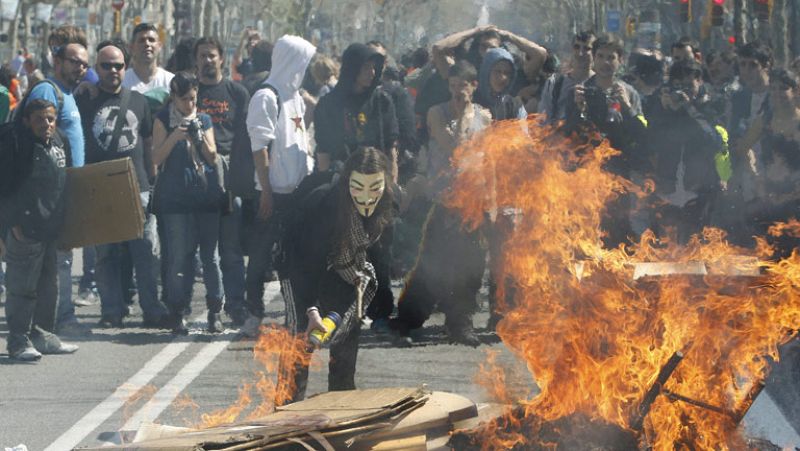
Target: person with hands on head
188,196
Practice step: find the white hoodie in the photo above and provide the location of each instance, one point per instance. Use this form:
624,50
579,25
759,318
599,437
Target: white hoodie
290,160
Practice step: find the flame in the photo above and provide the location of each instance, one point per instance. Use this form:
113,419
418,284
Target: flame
278,352
593,338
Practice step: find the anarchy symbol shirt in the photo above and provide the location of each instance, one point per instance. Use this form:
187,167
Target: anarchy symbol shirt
99,117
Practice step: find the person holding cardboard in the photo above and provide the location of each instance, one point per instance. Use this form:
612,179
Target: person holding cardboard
117,124
31,215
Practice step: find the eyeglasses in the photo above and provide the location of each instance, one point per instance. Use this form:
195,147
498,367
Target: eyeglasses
586,48
77,62
116,66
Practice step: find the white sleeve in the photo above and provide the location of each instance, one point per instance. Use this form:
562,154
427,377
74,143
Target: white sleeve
262,116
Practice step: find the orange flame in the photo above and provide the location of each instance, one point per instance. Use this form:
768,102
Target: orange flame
279,352
594,338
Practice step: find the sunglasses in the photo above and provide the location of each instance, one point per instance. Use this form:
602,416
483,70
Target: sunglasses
77,62
116,66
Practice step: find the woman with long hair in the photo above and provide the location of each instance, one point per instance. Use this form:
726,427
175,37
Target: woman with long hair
188,197
326,259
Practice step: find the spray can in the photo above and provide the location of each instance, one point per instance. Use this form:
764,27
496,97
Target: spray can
331,322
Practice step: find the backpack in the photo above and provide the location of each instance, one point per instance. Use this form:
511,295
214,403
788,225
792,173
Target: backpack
12,156
241,173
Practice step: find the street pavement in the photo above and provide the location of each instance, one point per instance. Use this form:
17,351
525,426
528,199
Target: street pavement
122,378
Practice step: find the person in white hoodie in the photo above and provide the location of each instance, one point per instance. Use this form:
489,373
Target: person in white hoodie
280,145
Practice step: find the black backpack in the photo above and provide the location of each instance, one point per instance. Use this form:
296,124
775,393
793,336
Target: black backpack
241,174
15,161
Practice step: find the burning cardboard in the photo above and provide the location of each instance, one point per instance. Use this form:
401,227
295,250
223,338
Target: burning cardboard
374,419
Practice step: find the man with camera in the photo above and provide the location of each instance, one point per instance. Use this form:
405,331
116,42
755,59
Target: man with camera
117,124
685,142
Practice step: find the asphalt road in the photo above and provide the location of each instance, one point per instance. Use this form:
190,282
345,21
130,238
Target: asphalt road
122,378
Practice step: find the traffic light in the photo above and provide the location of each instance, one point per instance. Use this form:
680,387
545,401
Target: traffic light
717,13
685,10
762,9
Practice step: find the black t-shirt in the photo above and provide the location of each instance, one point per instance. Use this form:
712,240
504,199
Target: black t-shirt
99,116
342,125
226,103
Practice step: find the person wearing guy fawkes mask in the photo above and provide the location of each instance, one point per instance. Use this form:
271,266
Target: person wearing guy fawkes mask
689,151
333,272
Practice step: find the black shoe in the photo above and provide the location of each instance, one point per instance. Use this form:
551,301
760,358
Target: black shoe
157,322
401,333
463,335
214,323
238,317
179,326
110,322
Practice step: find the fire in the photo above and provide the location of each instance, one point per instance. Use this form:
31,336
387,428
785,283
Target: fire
278,352
595,339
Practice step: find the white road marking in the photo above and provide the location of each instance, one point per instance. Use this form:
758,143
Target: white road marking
167,394
103,411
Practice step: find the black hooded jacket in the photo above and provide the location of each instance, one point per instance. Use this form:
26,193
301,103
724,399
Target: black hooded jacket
344,121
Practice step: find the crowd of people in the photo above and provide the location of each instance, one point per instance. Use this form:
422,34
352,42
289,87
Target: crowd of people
328,171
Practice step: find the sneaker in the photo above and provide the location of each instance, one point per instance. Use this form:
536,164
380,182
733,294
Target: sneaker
110,322
86,298
26,354
251,326
380,326
214,323
73,329
20,348
179,326
49,343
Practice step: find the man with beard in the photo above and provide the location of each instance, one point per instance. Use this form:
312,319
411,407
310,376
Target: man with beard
145,48
226,102
117,124
70,63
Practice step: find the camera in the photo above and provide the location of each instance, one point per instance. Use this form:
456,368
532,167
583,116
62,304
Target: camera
194,129
677,95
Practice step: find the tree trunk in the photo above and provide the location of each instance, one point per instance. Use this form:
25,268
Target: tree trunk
794,28
780,31
738,21
13,36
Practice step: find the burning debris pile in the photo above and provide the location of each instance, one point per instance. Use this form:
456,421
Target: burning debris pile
673,360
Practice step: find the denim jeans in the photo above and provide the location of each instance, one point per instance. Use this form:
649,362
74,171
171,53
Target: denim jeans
232,257
31,281
144,254
66,310
185,232
261,238
88,280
